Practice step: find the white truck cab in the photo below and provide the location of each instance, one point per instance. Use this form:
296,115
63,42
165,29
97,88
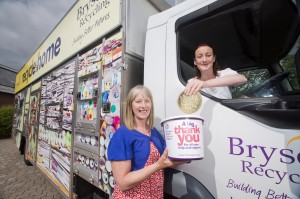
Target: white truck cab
251,141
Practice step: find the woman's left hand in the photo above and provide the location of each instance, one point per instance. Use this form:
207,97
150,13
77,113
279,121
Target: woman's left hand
164,161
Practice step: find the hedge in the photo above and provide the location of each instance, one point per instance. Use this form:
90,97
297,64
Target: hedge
6,121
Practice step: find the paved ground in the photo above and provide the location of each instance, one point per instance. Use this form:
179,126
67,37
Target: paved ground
18,181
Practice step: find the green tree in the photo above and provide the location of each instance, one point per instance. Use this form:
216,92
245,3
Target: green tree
288,64
6,120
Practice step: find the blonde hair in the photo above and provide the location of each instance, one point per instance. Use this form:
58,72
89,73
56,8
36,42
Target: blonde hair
129,115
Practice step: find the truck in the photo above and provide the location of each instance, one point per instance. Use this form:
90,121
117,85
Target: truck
70,94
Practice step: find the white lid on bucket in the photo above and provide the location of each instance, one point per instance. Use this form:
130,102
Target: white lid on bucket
181,117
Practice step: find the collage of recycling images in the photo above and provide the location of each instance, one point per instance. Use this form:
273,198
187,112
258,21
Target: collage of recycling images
55,125
91,163
48,110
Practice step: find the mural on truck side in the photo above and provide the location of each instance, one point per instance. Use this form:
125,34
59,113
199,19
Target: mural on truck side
32,126
111,105
55,125
98,67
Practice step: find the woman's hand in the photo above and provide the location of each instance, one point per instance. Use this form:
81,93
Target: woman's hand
164,161
229,80
193,86
127,179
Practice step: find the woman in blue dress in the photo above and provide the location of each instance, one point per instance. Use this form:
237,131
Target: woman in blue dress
137,150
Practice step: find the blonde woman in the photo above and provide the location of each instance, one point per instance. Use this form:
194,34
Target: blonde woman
137,151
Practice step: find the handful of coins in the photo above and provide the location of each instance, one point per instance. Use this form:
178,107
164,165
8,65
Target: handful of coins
189,104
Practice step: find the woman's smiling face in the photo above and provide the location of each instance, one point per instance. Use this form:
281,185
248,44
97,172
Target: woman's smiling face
141,106
204,58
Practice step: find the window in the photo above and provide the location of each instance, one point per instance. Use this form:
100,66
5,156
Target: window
288,63
256,38
255,77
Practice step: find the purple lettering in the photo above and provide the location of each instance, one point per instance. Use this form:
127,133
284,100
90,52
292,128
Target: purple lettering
230,183
240,150
295,180
268,157
244,166
270,194
258,171
289,157
267,173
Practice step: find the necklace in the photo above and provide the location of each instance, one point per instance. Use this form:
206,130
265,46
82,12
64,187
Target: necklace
145,131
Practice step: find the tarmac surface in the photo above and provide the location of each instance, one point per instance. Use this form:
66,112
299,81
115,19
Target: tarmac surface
18,181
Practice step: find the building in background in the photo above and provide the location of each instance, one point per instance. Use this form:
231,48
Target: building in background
7,85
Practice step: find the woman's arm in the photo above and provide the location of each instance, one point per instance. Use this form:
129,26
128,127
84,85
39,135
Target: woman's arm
126,179
229,80
195,85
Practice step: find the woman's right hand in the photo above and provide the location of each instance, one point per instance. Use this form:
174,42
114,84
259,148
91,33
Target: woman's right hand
193,86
